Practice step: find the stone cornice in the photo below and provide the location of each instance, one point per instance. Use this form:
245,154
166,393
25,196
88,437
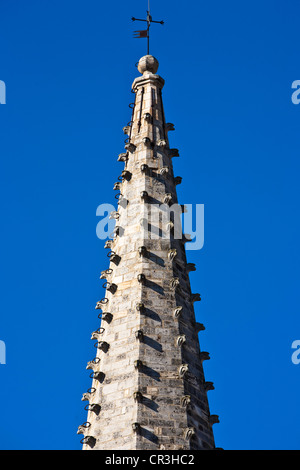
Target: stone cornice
146,78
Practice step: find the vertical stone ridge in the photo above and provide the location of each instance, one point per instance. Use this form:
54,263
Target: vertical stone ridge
151,389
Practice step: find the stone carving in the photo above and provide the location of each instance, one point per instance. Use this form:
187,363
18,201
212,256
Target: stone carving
189,433
174,283
190,267
130,147
98,375
114,257
183,369
126,130
96,334
144,195
162,143
126,175
123,157
141,278
208,386
147,142
93,365
164,170
170,127
185,401
89,440
114,215
110,287
103,345
148,63
173,153
106,316
88,394
100,304
136,427
144,168
204,356
177,312
138,364
199,327
213,419
172,254
178,180
148,117
94,407
139,335
168,198
142,251
138,396
139,306
180,340
195,298
186,237
83,427
108,244
170,226
107,272
117,186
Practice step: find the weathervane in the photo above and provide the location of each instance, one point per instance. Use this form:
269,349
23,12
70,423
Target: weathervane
146,33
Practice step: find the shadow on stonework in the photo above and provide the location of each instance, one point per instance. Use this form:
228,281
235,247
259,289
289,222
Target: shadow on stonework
151,314
156,259
152,343
154,286
146,434
150,404
151,373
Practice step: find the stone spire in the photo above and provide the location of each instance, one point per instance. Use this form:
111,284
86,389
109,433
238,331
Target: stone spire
148,388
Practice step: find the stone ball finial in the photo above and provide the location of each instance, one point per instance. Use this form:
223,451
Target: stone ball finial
148,63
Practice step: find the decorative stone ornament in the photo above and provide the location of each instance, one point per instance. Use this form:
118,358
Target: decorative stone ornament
138,396
94,364
82,428
213,419
123,157
88,440
138,364
174,283
185,401
195,298
172,254
136,427
208,386
139,335
177,312
148,118
97,334
88,394
164,170
139,306
130,147
148,63
204,356
189,433
103,345
94,407
142,251
183,370
180,340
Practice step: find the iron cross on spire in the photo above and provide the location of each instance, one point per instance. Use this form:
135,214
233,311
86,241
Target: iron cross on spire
146,33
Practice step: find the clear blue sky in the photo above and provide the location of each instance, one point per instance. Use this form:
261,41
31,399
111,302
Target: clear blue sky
68,67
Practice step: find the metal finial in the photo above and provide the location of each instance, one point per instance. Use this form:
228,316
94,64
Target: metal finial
146,32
